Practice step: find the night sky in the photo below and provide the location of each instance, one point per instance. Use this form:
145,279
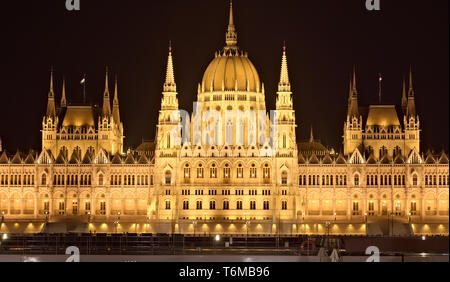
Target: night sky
325,39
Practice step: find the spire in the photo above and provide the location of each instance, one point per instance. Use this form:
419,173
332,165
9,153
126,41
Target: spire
311,136
411,107
116,112
404,98
284,85
106,101
411,89
51,112
231,35
63,96
170,85
353,109
355,92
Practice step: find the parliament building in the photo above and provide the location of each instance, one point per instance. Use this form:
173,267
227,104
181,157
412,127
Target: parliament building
230,167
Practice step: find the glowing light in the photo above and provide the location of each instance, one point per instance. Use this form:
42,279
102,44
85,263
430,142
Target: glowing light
5,236
424,238
217,237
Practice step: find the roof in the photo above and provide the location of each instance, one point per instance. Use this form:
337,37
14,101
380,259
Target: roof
308,148
382,115
230,67
146,146
79,116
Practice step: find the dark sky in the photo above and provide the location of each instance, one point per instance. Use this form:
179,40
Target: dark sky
325,38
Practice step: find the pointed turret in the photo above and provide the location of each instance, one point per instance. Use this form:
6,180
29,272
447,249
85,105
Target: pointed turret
51,111
106,101
404,98
353,110
116,112
170,85
284,85
231,35
411,107
63,96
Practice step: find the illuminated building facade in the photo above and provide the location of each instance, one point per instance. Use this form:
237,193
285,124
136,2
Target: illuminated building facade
215,175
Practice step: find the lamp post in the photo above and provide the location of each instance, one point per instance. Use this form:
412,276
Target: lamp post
365,222
194,223
247,223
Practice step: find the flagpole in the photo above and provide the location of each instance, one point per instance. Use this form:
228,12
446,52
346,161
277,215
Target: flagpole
84,89
379,87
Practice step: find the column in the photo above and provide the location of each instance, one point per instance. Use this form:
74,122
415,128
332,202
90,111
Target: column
348,208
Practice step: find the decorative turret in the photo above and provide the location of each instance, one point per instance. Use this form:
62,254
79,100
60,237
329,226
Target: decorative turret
284,107
170,85
231,35
168,115
284,85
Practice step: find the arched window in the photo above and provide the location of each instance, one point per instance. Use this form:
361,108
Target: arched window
44,179
226,205
168,178
187,171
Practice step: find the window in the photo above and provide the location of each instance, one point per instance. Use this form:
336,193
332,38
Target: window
239,205
102,207
266,172
187,172
200,171
185,205
44,179
266,205
168,177
100,179
284,205
212,205
415,180
87,206
355,208
253,171
356,179
226,205
240,171
253,205
213,171
167,205
284,178
199,205
226,171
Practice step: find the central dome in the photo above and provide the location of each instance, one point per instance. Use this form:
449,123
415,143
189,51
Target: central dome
231,70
